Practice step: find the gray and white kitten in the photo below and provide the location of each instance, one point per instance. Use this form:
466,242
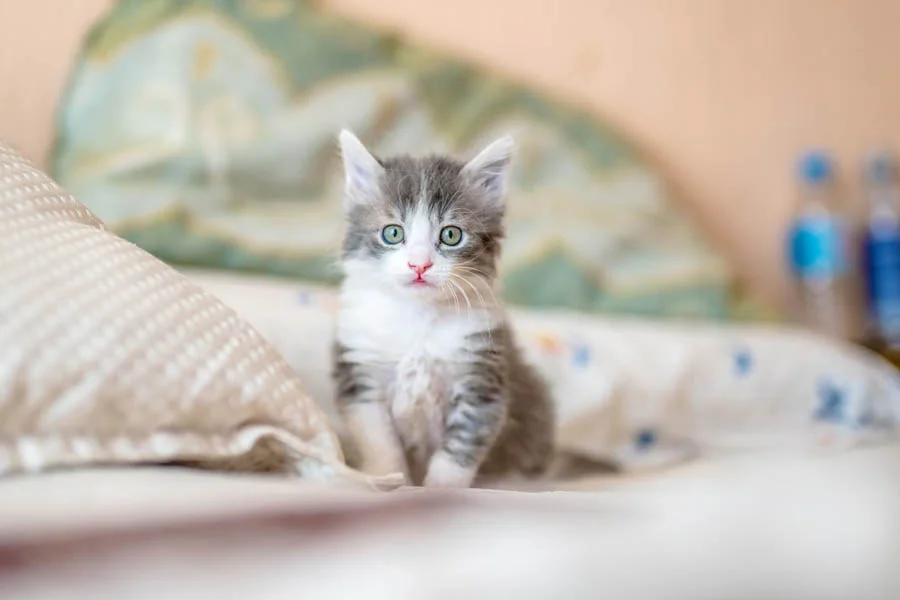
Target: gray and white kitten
429,380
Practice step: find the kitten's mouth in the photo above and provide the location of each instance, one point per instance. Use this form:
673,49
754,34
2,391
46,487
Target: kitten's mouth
419,282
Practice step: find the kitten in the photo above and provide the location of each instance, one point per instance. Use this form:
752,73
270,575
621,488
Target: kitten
429,380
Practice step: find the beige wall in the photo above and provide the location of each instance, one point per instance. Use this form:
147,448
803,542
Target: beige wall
721,94
38,43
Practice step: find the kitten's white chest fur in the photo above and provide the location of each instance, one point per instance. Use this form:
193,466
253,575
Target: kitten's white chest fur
415,346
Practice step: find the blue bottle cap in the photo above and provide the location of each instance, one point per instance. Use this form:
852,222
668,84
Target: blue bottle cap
815,167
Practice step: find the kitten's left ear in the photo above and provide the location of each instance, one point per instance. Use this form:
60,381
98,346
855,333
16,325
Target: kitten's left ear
490,169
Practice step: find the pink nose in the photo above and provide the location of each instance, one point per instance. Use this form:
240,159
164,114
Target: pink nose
420,269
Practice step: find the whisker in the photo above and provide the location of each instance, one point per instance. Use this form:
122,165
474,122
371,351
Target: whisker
466,266
452,294
464,295
486,280
474,289
483,304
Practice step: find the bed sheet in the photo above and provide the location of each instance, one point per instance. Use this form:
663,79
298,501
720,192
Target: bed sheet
742,527
636,395
760,524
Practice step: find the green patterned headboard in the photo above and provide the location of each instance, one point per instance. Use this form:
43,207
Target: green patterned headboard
204,131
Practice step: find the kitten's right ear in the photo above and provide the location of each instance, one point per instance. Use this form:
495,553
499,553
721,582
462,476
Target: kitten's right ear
361,170
490,169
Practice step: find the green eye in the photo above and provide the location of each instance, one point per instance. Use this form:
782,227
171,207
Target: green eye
451,236
392,235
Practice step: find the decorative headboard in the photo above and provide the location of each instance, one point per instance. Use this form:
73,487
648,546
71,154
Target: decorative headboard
204,131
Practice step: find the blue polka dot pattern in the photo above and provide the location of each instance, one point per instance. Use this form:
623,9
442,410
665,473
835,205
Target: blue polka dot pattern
581,355
304,298
743,362
832,402
644,439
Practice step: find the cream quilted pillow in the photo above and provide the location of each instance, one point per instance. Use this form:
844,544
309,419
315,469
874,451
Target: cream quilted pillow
107,355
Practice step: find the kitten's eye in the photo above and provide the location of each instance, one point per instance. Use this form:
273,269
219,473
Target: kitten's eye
451,236
392,235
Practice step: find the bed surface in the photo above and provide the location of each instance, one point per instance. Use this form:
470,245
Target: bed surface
641,395
768,521
759,527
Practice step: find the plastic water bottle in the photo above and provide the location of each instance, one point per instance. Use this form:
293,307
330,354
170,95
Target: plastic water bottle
820,252
881,250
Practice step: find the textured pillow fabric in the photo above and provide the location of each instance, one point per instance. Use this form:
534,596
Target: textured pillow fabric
109,356
204,131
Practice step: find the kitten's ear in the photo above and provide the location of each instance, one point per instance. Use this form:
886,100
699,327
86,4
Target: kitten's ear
361,170
490,169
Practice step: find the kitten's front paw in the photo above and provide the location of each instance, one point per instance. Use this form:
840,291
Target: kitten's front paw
444,472
382,467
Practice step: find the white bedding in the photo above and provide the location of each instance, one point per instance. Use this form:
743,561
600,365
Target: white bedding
795,528
638,394
764,524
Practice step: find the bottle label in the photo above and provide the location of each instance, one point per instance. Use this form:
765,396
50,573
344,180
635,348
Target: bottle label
883,276
818,247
